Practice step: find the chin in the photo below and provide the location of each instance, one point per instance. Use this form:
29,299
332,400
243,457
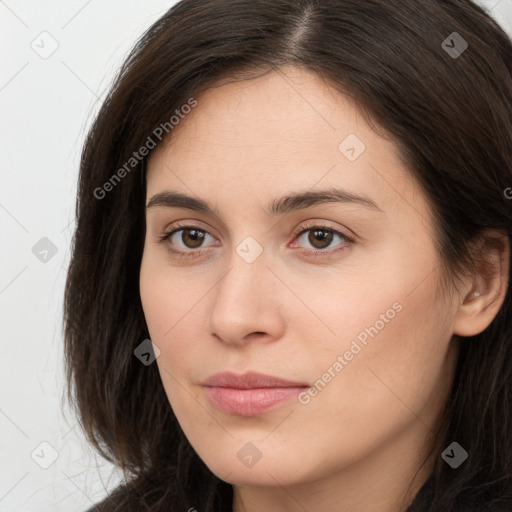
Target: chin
242,463
260,475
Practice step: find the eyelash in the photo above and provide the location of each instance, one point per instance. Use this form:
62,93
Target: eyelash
303,228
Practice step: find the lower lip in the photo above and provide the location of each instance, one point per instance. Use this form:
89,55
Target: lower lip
249,402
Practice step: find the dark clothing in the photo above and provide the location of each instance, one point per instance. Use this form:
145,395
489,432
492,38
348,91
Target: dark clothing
421,503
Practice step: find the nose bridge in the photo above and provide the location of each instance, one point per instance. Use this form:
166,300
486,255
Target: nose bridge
243,303
248,273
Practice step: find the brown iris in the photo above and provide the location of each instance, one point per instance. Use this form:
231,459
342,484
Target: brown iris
321,237
192,238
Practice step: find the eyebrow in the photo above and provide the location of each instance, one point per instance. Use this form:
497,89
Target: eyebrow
281,206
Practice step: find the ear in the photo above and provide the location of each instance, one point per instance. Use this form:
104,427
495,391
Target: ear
484,292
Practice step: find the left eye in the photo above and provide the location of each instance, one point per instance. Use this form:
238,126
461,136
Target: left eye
320,238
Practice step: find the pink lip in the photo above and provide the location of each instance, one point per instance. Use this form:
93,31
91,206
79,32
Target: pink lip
251,393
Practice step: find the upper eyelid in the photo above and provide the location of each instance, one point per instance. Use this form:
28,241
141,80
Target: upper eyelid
178,226
308,225
303,226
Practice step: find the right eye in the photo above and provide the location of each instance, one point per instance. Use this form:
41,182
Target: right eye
187,239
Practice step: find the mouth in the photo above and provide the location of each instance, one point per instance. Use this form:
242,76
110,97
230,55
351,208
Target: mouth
251,393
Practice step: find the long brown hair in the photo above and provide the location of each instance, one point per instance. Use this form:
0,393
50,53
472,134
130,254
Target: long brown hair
447,106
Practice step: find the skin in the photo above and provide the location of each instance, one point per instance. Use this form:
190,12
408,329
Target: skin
359,442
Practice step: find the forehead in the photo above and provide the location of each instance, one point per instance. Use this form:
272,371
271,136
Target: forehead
266,136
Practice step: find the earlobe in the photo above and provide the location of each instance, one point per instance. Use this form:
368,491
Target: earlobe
480,304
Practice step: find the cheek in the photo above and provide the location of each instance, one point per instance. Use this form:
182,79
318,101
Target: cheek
387,362
172,306
391,330
166,299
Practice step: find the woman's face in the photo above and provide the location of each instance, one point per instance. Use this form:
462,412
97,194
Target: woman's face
304,252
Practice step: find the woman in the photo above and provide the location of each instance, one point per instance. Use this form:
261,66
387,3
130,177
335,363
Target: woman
290,273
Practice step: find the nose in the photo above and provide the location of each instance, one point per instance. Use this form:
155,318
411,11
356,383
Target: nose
247,304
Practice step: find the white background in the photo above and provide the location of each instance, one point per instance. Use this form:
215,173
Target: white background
47,104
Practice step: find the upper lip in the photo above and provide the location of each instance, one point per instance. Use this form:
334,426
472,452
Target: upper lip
249,380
